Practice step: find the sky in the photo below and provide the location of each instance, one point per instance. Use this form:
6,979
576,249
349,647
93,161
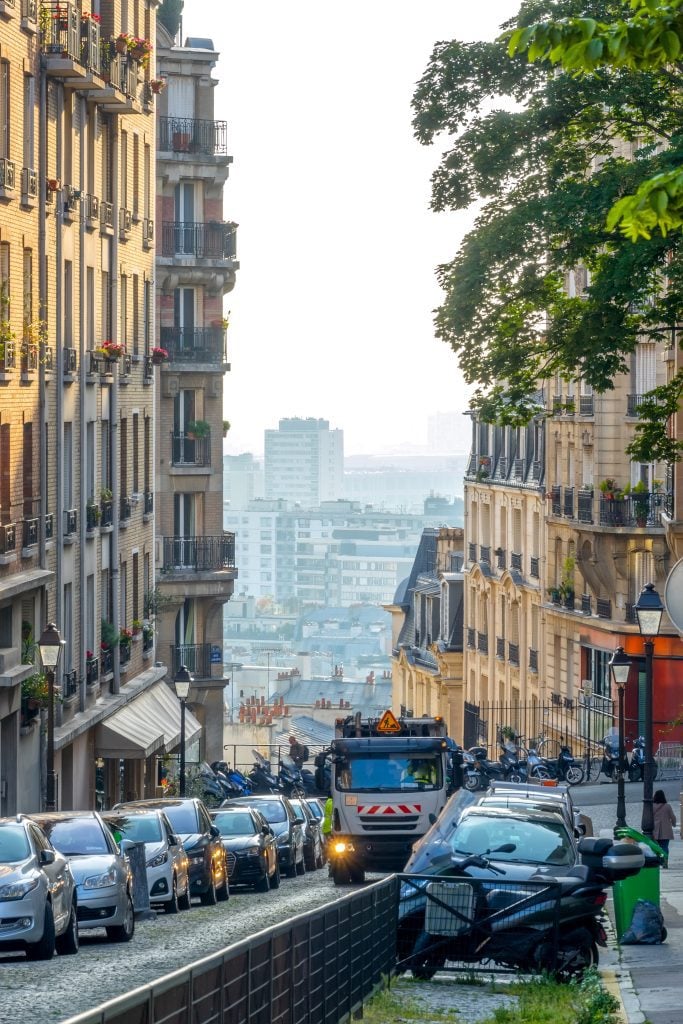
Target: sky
332,312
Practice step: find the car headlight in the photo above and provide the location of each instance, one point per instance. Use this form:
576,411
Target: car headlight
17,890
155,862
101,881
283,840
196,855
252,851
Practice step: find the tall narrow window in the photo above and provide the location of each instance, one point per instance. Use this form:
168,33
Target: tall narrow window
147,454
68,628
4,109
147,315
147,163
123,448
68,303
124,593
5,474
28,287
29,112
105,455
123,295
106,307
136,454
136,314
136,586
68,464
105,595
90,307
68,137
27,467
136,172
90,460
89,610
90,149
124,169
106,163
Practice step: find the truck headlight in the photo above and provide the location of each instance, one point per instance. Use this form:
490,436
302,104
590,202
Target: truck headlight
342,846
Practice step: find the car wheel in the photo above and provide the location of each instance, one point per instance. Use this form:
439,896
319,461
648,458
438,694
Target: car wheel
209,898
340,874
68,942
45,948
263,884
635,773
124,932
320,859
275,878
301,866
171,906
223,892
185,901
291,867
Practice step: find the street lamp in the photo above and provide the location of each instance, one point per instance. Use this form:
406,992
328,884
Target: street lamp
620,663
649,609
588,702
182,682
50,647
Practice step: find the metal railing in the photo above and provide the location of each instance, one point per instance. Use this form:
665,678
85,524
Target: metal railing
209,241
194,344
196,657
317,968
70,684
472,552
586,405
516,560
199,554
568,505
533,660
584,507
586,604
637,509
633,403
149,503
500,558
513,654
485,553
534,567
91,671
483,643
192,135
31,528
471,638
604,608
70,520
556,500
500,647
188,451
107,509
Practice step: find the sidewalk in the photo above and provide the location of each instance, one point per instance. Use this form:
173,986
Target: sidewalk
650,978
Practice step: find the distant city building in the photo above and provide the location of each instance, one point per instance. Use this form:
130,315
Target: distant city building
243,479
401,484
304,461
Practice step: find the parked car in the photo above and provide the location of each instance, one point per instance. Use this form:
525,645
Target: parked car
168,866
38,903
313,838
287,825
251,847
317,809
545,795
102,872
202,842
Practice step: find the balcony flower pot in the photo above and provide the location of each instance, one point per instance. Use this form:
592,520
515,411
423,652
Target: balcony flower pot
157,85
197,429
121,45
159,356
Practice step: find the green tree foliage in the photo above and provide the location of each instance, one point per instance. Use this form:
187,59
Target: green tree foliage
546,153
169,15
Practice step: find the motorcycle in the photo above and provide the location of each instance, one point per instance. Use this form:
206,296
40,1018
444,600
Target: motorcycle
232,778
610,757
290,779
261,777
565,769
546,923
636,768
213,790
479,772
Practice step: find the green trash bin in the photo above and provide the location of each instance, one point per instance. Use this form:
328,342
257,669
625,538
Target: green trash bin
643,886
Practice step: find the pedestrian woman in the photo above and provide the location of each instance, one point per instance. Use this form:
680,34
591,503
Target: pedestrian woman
665,819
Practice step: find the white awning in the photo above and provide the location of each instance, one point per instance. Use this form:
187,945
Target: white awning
148,724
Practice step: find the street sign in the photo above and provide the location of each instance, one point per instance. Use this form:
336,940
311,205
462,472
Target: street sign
216,654
388,723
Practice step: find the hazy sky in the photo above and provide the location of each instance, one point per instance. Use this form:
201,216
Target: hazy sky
332,311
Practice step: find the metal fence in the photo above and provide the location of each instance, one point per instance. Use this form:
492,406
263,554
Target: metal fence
544,725
669,758
318,968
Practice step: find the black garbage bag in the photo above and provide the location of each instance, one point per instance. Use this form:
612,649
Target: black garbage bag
647,925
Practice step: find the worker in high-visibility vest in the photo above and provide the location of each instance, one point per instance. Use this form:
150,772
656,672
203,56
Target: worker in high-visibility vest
327,818
422,771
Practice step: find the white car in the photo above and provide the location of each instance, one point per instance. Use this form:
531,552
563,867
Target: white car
167,863
37,893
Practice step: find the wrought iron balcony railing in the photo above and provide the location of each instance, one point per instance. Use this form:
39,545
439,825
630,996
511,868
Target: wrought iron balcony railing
500,648
91,671
636,510
195,657
212,240
188,451
199,554
585,507
194,345
31,532
192,135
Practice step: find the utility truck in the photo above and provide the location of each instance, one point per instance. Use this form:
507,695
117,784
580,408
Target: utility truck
390,778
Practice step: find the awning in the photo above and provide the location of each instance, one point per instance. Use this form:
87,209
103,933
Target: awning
148,724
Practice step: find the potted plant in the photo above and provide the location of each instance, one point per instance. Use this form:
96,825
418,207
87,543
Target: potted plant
226,427
122,42
196,429
640,498
157,85
125,637
111,350
159,355
106,494
137,627
94,512
608,488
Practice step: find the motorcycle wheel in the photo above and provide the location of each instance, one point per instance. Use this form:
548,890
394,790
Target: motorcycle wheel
574,775
514,776
424,965
539,772
577,952
635,773
471,782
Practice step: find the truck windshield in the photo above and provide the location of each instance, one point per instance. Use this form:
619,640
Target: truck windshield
395,774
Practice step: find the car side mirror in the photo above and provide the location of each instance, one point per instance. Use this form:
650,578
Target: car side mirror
214,832
266,830
173,840
299,821
432,819
126,845
47,857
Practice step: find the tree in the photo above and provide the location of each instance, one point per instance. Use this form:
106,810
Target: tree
546,153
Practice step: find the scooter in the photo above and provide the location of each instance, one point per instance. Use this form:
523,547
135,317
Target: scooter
478,771
289,778
636,768
232,778
565,769
610,757
548,923
261,776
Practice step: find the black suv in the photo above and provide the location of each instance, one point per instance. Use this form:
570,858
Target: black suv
286,823
202,841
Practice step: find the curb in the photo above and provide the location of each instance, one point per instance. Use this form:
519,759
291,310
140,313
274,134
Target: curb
620,985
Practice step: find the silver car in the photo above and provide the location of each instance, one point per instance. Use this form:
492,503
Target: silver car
37,893
165,858
102,872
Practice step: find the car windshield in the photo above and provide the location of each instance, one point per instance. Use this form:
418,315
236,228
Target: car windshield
138,828
235,823
533,842
315,808
395,774
76,836
183,817
13,844
272,810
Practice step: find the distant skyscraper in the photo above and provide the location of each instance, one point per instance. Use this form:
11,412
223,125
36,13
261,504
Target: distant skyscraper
243,479
304,462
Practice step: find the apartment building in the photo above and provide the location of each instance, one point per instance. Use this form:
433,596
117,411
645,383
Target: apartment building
79,380
304,461
195,267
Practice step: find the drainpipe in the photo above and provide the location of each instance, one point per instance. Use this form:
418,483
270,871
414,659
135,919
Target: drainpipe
59,372
114,411
81,403
42,313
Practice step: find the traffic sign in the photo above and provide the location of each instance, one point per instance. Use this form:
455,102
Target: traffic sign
388,723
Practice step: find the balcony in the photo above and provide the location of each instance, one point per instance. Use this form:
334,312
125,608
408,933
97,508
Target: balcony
536,470
199,554
49,526
568,504
516,561
197,658
8,538
70,521
92,671
194,345
107,512
586,604
121,93
147,640
147,233
69,684
125,510
500,558
472,552
125,224
471,638
91,210
106,218
604,608
30,532
192,135
485,554
107,659
533,660
500,648
148,507
639,510
124,654
513,654
214,240
70,361
7,178
8,357
483,643
61,41
29,359
29,186
187,451
534,567
29,15
585,507
633,403
556,500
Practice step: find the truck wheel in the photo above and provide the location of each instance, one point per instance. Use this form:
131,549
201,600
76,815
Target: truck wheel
357,876
340,874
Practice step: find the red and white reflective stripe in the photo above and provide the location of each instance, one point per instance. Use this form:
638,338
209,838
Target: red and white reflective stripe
380,809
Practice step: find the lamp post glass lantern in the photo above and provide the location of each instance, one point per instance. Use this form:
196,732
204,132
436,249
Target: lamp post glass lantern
182,682
620,665
649,609
50,647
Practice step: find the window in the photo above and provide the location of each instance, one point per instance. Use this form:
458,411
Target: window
123,302
105,595
124,167
136,586
123,447
106,306
136,454
147,453
136,172
27,474
136,313
68,628
28,286
124,593
147,162
29,108
68,303
105,455
5,474
90,308
4,109
68,137
68,466
90,613
90,460
147,315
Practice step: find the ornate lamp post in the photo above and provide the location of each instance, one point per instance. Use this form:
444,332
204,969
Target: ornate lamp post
182,682
50,647
649,609
620,664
